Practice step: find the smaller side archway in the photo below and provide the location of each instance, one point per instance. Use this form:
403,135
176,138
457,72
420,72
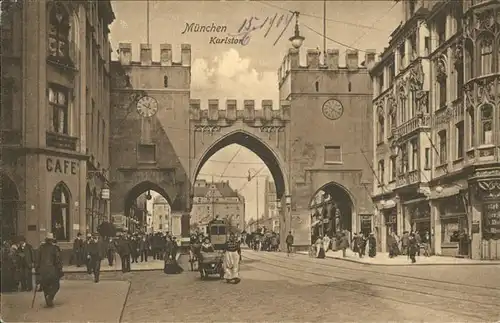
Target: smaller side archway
10,208
136,219
332,211
60,212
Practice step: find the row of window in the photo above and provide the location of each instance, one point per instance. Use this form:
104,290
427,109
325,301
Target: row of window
410,162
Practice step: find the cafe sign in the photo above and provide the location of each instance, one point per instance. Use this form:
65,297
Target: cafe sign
61,166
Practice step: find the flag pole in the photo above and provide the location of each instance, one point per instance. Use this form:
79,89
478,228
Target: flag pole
147,21
324,32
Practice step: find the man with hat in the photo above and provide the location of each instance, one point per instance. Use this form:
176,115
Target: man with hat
85,251
26,257
78,248
49,268
95,253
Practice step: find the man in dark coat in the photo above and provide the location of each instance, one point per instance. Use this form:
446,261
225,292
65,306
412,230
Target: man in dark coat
125,250
95,255
144,248
78,250
49,268
26,257
110,251
85,246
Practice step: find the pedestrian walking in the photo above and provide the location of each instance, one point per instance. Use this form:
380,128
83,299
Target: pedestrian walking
412,247
85,246
125,250
344,243
110,251
289,243
26,260
232,259
78,250
144,248
372,245
95,256
49,268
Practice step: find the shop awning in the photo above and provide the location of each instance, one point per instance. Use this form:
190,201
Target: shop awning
446,192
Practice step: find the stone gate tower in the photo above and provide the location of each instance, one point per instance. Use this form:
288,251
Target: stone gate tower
330,138
149,145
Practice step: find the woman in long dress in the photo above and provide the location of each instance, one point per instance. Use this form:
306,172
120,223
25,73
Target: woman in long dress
320,248
232,258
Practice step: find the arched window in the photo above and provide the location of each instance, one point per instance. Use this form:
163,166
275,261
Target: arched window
60,221
486,48
59,28
381,128
441,83
468,60
486,124
472,127
402,110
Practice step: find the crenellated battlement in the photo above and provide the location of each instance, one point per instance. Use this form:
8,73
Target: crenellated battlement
230,112
291,61
146,55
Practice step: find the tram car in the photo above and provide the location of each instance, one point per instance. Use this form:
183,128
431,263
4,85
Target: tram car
218,232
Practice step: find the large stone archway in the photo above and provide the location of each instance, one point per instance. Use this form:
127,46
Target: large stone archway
10,208
263,131
271,159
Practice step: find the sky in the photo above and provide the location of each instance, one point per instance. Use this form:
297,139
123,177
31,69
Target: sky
234,71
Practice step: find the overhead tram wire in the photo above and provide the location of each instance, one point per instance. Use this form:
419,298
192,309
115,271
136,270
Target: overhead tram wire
318,17
230,161
256,174
374,23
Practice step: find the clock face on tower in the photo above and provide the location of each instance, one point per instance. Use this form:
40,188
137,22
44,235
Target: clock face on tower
333,109
147,106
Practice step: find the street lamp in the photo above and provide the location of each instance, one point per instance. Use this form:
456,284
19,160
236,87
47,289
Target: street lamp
288,202
250,178
296,39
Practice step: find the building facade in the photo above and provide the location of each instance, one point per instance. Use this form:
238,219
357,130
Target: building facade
213,200
55,118
161,217
436,145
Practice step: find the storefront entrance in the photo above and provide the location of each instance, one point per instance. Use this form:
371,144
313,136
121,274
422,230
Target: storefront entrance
391,223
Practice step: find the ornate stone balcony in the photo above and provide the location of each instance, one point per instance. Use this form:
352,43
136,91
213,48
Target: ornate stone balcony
409,178
413,124
61,141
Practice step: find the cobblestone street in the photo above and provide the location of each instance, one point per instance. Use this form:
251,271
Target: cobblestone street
275,287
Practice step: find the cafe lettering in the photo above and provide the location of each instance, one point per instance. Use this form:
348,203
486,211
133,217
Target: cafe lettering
62,166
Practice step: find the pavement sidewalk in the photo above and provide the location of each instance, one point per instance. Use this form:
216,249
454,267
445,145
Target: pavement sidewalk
382,259
77,301
117,266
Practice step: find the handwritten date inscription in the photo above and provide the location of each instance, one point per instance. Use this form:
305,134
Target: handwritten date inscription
253,23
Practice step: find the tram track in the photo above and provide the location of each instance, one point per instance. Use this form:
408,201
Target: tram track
410,296
494,296
319,262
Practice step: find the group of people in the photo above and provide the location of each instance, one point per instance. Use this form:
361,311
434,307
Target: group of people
409,244
17,262
341,241
263,240
129,247
20,264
